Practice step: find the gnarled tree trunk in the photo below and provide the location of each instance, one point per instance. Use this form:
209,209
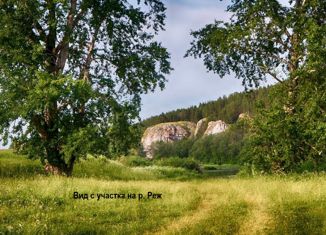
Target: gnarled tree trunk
56,165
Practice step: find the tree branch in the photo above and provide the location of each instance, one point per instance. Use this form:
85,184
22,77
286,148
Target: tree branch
89,58
266,70
40,31
51,37
280,41
287,33
277,58
37,120
62,48
313,147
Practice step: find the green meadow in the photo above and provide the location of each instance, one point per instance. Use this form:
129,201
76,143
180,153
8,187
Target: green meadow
34,203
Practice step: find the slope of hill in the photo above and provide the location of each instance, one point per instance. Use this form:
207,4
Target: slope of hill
226,108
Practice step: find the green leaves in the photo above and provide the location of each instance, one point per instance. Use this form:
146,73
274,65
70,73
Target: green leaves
287,43
251,45
280,143
69,68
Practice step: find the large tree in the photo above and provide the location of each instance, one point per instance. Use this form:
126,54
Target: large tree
267,39
72,72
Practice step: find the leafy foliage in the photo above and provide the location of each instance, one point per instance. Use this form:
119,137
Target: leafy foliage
279,142
287,43
72,72
187,163
179,149
222,148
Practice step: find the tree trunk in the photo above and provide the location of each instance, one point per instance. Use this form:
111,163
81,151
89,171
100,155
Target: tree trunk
56,170
56,165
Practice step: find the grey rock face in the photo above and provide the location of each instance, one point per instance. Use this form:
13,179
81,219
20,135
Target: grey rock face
201,127
216,127
174,131
166,132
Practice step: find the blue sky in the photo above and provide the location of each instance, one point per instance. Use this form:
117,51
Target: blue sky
189,83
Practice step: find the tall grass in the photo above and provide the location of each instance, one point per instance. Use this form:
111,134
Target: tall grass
110,170
264,205
13,165
46,206
261,205
18,166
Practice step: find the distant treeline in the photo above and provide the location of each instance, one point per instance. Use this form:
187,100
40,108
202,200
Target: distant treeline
226,108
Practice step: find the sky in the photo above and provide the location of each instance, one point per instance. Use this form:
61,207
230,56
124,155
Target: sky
189,83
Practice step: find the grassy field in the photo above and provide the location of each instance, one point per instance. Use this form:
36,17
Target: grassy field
33,203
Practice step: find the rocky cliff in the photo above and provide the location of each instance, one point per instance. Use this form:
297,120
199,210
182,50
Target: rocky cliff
215,127
174,131
201,127
166,132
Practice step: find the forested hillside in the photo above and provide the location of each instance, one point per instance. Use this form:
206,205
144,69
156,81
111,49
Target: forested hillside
226,108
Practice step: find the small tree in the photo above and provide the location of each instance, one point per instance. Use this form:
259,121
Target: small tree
72,72
287,43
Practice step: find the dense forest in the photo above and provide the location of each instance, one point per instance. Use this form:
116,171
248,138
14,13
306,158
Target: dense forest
226,108
224,148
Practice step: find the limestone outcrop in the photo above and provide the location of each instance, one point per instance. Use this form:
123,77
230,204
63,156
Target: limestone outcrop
201,127
174,131
215,127
166,132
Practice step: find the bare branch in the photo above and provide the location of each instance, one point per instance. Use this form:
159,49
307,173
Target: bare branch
91,45
280,59
272,74
63,46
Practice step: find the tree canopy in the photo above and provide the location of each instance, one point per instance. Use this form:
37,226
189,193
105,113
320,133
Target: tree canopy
263,38
287,43
72,71
226,108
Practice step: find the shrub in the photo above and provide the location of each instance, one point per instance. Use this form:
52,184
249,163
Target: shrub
222,148
187,163
282,141
179,149
135,161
